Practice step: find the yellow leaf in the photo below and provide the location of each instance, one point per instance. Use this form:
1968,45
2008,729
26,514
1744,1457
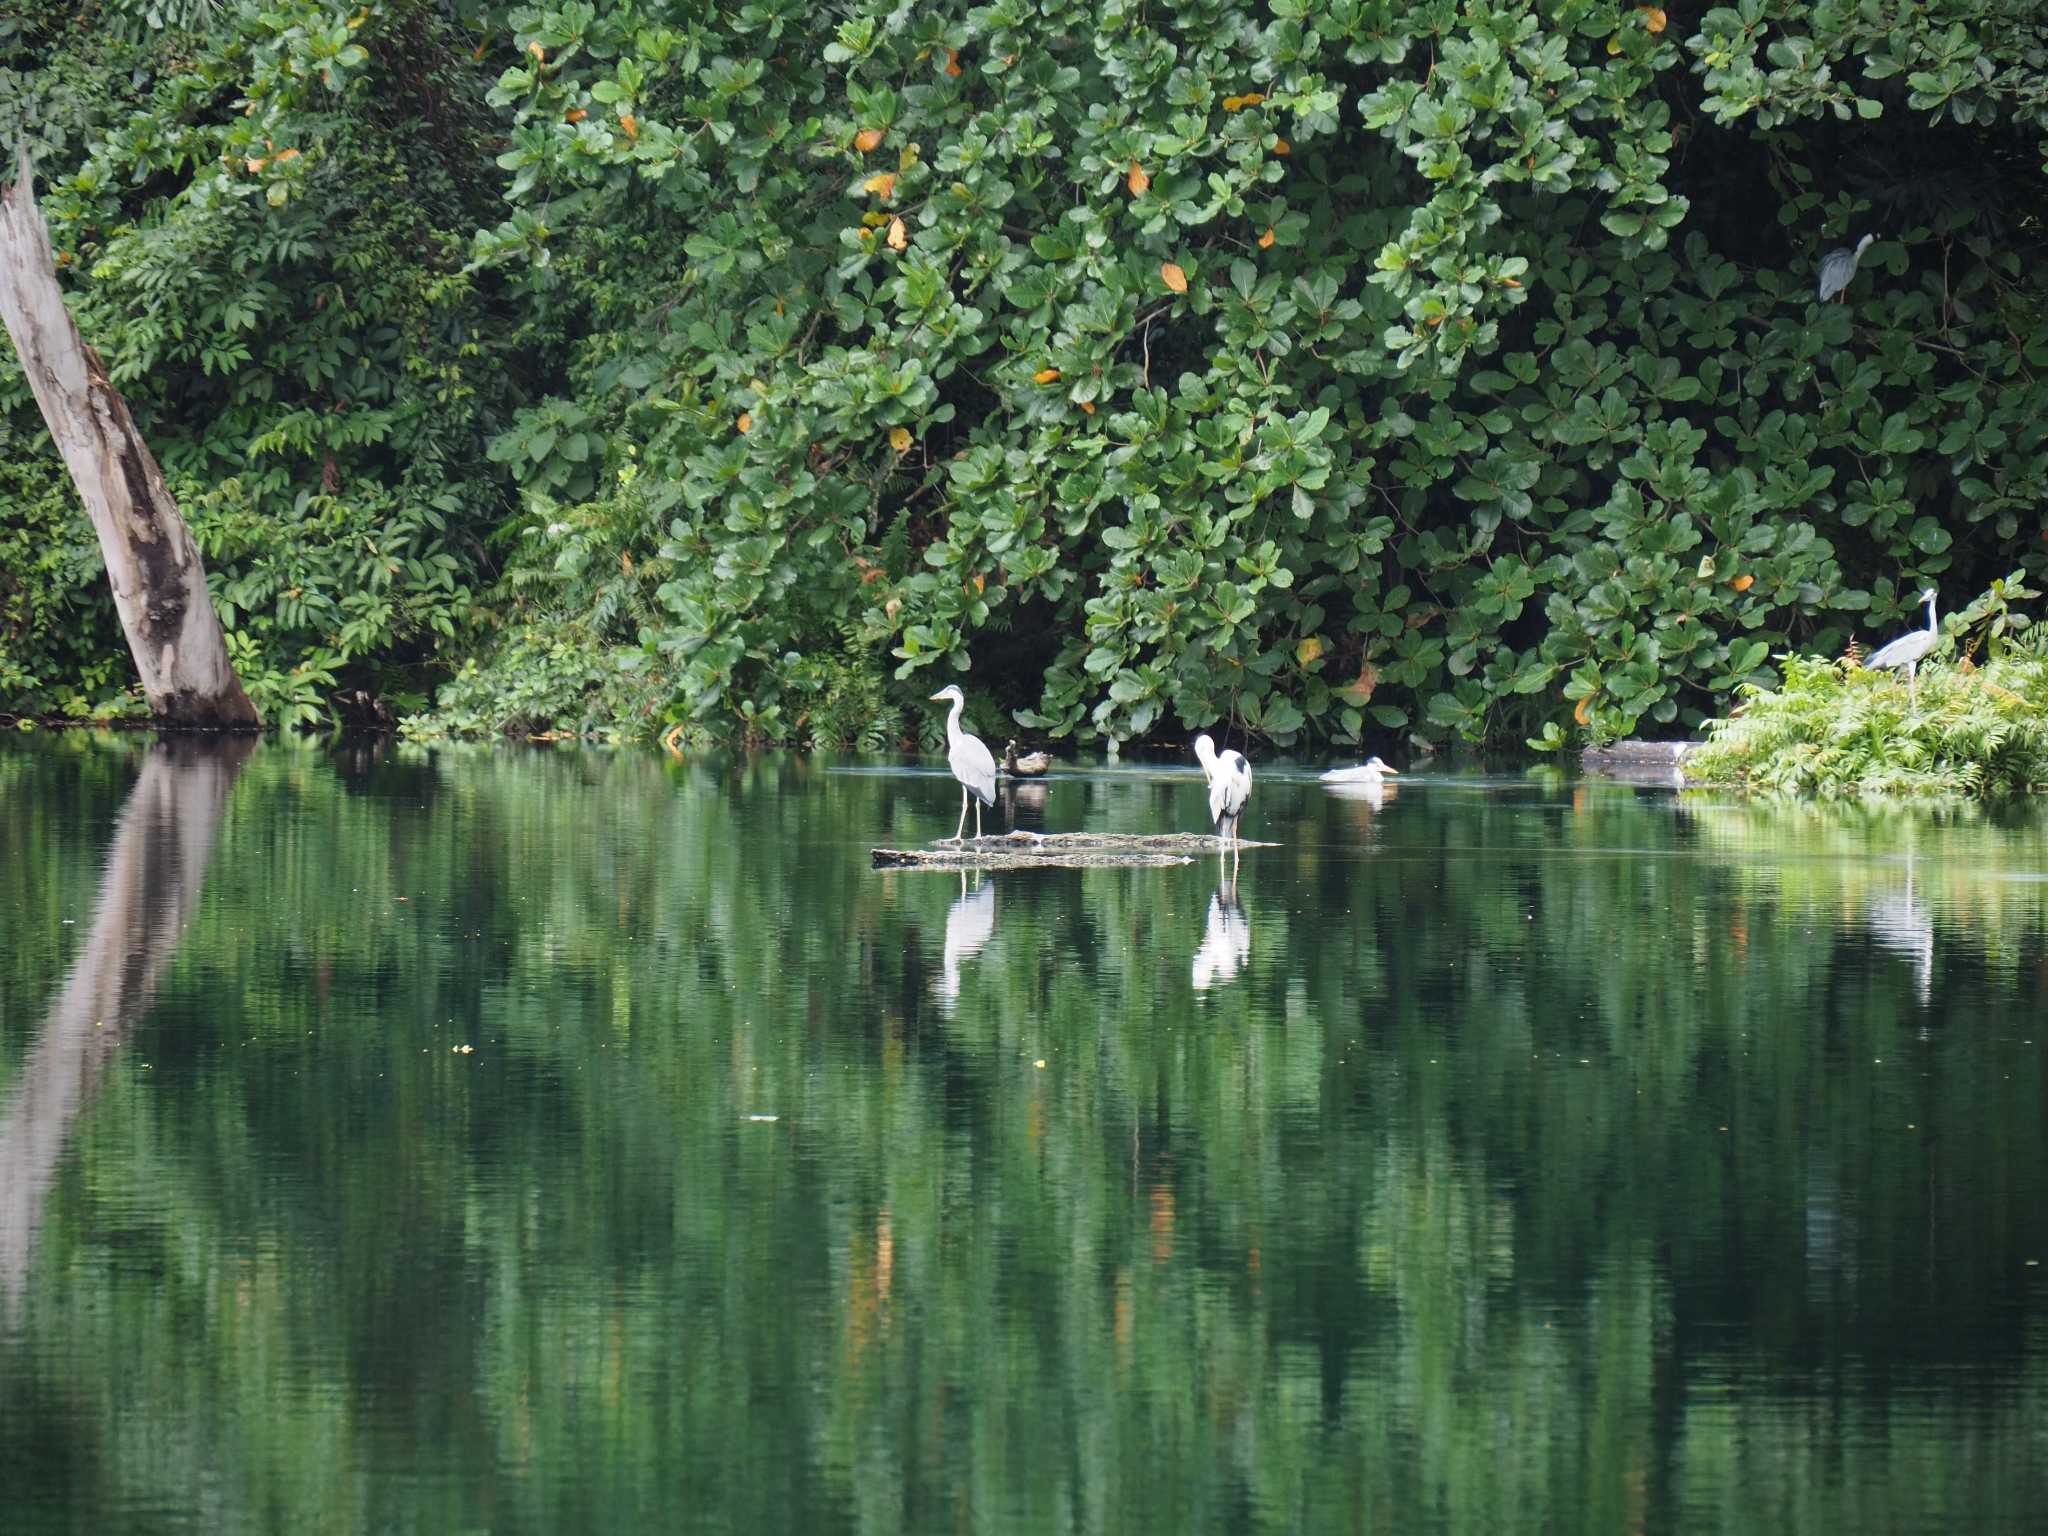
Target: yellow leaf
1239,103
1653,17
882,184
626,122
898,236
1266,240
1583,711
867,139
1282,147
1088,407
745,423
1046,376
899,439
952,61
1137,181
1310,649
1743,582
1613,47
1174,278
537,51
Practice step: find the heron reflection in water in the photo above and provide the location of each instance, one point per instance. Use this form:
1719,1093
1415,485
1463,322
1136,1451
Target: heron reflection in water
1904,926
1226,939
970,923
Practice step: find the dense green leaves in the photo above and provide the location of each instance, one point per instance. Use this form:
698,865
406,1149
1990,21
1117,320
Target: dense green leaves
1444,370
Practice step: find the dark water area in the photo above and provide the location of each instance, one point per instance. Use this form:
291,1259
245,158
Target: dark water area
543,1140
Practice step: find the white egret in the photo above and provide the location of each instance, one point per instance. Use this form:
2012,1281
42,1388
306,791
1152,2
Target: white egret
1908,651
1230,782
972,763
1837,267
1371,771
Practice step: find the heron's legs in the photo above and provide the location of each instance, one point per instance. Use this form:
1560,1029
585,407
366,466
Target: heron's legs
1912,685
977,818
963,816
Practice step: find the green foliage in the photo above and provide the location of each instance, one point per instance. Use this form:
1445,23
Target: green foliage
1836,728
1336,372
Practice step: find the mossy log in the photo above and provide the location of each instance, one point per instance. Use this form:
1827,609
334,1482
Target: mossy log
1072,850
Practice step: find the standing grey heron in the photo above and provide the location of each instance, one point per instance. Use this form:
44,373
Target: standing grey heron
1837,267
1230,783
1909,650
972,763
970,922
1371,771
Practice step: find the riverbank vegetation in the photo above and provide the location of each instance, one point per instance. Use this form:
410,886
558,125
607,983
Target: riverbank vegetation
1334,373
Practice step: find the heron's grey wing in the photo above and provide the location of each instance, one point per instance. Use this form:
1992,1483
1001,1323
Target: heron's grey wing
1836,268
974,766
1238,773
1907,648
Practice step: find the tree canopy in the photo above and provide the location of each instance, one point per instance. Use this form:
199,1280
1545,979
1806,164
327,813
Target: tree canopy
1344,371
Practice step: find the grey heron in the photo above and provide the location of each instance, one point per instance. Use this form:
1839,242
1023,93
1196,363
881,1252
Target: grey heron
1230,782
1030,765
970,923
972,763
1838,267
1371,771
1909,650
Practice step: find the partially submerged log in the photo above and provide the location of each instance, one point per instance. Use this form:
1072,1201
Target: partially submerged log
159,583
1639,762
1069,850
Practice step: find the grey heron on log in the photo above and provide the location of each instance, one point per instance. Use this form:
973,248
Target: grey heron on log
972,763
1230,783
1908,651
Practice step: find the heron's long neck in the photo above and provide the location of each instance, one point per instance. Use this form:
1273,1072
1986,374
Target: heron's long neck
953,722
1931,626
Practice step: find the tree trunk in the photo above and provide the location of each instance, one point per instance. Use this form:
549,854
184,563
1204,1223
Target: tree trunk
149,892
159,584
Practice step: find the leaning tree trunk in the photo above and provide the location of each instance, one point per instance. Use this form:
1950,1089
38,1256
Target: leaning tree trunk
159,584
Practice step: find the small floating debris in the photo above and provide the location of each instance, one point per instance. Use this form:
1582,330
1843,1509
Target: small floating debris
1015,850
764,1119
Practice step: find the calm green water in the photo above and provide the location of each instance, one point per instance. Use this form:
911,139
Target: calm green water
546,1141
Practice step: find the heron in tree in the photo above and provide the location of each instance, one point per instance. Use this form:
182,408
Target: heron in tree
1230,783
972,763
1907,652
1837,267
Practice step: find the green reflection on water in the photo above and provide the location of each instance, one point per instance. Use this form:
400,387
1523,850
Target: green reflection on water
1525,1159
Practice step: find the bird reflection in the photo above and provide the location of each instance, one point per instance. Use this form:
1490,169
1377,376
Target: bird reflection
1226,939
1374,792
1904,926
149,890
970,922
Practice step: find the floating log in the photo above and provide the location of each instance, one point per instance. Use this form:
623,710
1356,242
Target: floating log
1639,762
1073,850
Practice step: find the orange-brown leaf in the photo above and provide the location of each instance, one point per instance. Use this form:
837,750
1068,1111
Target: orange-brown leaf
1046,376
1282,147
1137,181
899,237
899,439
1743,582
626,122
1088,407
745,423
952,61
882,184
1583,713
1171,274
537,51
1266,240
286,154
867,139
258,163
1239,103
1653,17
576,114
